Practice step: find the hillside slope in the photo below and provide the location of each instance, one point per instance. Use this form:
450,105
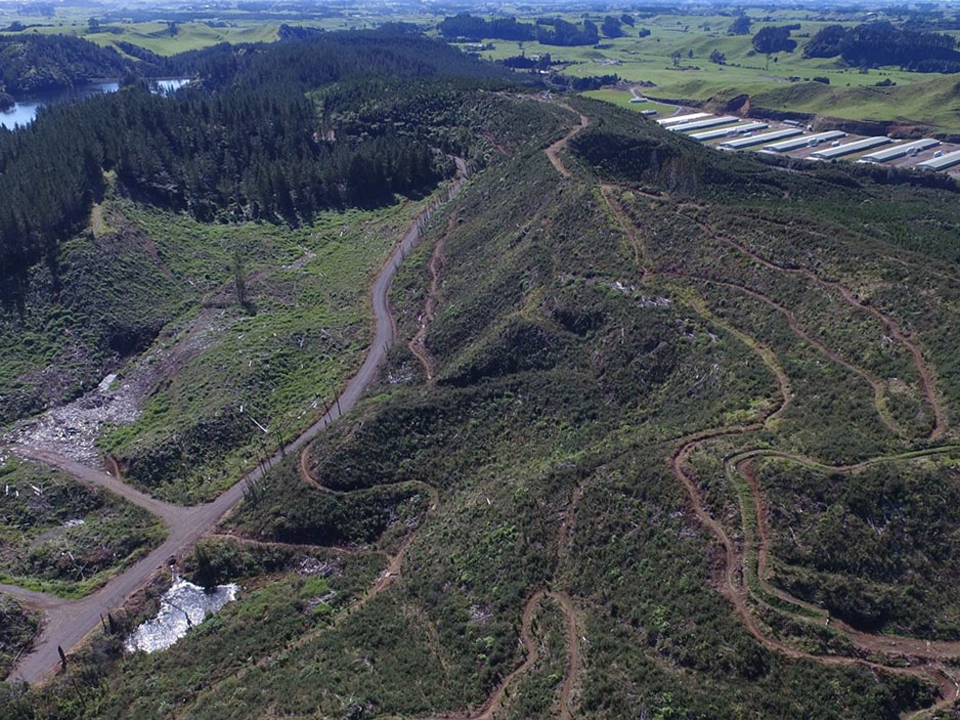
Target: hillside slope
931,105
676,443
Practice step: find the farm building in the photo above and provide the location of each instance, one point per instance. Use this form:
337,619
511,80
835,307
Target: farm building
805,141
941,163
740,143
705,123
850,148
728,131
680,119
899,151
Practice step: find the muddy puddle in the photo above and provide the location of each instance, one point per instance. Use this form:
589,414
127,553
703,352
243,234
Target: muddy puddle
182,607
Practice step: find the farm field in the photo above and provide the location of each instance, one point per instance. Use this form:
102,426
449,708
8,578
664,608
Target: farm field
675,56
446,391
621,98
782,81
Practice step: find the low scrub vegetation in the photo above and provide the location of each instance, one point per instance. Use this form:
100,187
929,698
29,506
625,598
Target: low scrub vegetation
18,627
608,343
60,536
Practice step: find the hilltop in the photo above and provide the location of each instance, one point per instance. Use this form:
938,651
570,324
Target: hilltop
664,432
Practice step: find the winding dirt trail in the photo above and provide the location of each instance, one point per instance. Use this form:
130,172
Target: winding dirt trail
895,331
393,570
561,144
875,383
734,588
495,702
930,657
870,642
417,345
67,623
893,328
391,573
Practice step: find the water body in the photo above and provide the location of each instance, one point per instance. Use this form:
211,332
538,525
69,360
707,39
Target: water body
181,607
25,109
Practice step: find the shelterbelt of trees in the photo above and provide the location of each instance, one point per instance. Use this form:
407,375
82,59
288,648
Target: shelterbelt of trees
881,43
548,31
245,143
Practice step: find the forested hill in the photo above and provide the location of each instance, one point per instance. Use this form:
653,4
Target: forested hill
30,63
246,143
876,44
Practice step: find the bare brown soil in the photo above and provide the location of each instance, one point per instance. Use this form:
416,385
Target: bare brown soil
553,152
417,344
923,658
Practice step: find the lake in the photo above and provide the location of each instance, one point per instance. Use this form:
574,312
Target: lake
25,108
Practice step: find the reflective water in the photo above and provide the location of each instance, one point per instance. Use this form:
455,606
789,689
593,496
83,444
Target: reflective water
25,109
181,607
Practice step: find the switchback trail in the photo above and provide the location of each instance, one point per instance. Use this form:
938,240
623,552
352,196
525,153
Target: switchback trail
68,623
870,642
794,325
896,332
735,591
930,658
893,328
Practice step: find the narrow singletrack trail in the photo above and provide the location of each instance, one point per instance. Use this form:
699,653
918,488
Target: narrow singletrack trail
871,642
388,576
629,229
495,702
417,345
928,657
734,589
67,624
893,328
393,570
875,383
391,573
553,152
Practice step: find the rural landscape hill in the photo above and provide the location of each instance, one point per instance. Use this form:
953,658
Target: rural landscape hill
481,399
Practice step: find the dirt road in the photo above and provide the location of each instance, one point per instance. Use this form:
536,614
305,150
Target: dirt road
69,622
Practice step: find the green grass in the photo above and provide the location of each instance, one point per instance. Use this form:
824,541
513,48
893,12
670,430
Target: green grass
851,94
281,364
155,36
62,537
933,101
919,98
622,98
564,385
